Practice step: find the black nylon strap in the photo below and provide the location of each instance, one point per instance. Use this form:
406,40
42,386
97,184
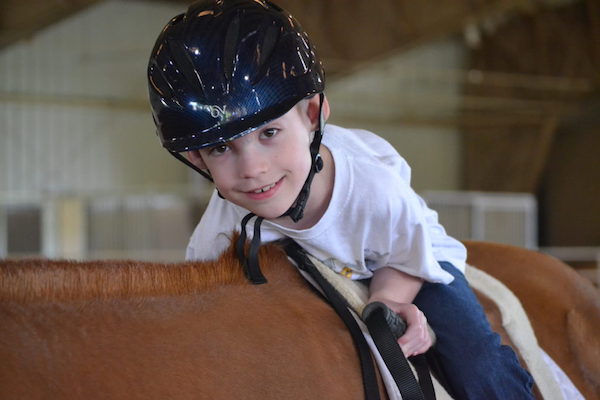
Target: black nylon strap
370,386
423,372
250,263
396,361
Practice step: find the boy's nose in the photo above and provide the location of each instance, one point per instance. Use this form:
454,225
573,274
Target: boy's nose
252,164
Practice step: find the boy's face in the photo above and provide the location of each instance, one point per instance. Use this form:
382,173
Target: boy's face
264,171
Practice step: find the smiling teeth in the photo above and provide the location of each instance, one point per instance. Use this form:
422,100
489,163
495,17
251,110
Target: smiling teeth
265,188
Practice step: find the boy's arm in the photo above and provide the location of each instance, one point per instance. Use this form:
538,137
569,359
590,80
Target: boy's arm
397,290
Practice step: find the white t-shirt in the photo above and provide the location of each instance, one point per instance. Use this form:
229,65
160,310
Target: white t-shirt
374,218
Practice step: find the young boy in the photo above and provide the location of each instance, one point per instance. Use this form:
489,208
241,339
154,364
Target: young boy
237,94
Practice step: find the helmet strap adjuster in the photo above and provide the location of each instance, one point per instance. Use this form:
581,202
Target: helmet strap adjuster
318,163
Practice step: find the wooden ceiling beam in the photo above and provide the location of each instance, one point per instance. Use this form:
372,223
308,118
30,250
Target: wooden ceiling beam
348,33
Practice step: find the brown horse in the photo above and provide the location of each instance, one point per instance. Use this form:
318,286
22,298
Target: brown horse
132,330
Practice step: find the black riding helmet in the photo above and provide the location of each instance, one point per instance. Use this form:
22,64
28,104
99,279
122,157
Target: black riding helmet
224,69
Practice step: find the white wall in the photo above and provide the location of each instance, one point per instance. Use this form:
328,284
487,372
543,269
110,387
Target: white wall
73,104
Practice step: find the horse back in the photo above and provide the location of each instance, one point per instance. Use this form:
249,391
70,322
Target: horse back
222,340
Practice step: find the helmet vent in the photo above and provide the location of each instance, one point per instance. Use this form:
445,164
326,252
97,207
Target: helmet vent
183,71
265,50
230,49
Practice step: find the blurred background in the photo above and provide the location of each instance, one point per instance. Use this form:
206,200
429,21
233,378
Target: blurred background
494,103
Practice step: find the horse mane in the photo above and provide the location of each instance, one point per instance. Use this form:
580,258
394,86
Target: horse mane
62,280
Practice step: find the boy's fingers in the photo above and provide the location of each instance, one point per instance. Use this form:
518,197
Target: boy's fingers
417,339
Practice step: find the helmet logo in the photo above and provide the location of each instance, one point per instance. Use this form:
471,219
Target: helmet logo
215,111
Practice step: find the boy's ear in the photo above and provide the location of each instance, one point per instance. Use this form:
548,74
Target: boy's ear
313,110
196,159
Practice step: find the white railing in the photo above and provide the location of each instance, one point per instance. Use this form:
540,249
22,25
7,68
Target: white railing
145,225
509,218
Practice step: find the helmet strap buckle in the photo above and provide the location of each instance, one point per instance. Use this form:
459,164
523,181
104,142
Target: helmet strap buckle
318,164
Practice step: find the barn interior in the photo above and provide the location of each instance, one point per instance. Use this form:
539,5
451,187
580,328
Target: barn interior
494,103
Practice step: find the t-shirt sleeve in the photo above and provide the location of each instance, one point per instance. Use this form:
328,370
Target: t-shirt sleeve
213,233
410,242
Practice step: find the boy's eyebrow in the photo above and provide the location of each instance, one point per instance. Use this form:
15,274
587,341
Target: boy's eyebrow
212,146
216,145
268,124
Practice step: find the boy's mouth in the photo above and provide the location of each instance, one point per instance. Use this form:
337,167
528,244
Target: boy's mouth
264,192
265,188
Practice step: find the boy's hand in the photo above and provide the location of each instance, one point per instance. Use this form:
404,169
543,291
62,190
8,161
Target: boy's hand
417,339
397,290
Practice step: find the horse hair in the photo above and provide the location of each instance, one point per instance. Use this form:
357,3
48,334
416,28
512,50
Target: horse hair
62,280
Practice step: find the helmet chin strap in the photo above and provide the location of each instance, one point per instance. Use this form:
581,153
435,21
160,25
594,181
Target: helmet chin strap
187,162
191,165
295,212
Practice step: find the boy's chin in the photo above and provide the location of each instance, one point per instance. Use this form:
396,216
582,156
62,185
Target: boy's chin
272,214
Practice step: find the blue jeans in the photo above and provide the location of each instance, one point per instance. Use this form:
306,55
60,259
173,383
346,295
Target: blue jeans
468,358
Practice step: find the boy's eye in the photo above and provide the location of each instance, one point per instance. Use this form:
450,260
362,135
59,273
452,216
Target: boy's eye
218,150
269,133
